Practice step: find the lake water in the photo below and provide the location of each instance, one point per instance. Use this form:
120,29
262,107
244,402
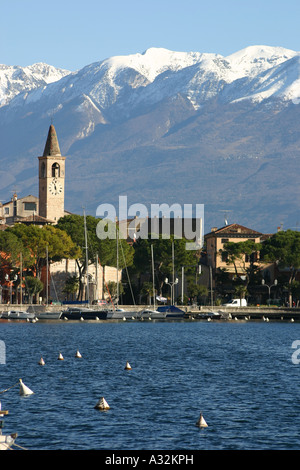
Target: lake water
240,375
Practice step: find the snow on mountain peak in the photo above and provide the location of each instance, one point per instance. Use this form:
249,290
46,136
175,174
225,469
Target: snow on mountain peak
15,79
256,59
154,61
131,81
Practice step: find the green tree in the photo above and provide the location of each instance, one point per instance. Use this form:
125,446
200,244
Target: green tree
242,256
283,248
105,250
38,239
163,263
71,285
34,286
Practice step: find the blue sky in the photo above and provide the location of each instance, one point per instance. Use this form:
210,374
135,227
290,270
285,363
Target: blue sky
71,33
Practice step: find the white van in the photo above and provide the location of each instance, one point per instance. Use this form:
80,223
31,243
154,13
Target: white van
236,303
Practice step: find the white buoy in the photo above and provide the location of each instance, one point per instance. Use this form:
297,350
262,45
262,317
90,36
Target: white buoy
102,405
24,390
41,362
292,320
78,354
127,366
60,357
201,423
97,318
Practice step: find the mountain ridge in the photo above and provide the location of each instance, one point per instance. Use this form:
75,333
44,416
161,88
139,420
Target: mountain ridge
156,124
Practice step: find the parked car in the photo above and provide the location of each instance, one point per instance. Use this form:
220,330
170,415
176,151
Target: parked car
236,303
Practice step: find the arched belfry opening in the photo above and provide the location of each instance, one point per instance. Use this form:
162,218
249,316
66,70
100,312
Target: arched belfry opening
55,170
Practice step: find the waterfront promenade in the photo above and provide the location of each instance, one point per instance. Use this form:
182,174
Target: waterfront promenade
238,313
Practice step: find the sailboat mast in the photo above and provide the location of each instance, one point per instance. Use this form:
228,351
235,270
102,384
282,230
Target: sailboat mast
86,259
153,276
117,236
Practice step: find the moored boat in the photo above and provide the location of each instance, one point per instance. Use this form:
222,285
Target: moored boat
48,315
18,315
83,313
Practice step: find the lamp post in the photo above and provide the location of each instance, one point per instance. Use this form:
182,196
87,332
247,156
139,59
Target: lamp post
269,287
171,284
11,281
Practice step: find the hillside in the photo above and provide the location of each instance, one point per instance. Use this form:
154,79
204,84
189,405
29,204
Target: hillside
165,127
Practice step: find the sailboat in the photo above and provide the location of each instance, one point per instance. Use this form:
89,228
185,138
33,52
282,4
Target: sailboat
84,313
119,313
149,313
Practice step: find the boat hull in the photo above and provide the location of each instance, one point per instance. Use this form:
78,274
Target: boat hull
18,315
84,314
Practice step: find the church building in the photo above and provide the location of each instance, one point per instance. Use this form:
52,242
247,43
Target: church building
52,179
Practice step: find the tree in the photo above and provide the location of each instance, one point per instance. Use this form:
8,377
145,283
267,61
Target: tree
39,240
163,263
71,285
283,248
239,254
105,250
34,286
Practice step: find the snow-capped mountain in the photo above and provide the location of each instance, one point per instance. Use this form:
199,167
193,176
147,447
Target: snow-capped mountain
257,73
16,79
198,117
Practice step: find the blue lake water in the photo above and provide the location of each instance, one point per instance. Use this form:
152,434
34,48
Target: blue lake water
240,375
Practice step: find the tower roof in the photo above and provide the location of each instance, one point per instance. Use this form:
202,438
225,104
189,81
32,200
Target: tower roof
51,147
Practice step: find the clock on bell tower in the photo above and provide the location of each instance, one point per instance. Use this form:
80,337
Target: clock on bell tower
52,179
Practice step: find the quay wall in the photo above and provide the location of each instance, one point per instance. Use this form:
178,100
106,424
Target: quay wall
253,313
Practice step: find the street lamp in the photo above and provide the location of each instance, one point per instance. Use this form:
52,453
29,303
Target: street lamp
11,281
171,284
269,287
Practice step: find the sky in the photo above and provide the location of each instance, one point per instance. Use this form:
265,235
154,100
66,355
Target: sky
71,34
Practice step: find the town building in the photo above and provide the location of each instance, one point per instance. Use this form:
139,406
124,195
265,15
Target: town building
48,208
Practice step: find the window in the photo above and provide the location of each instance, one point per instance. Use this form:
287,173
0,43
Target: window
43,170
224,256
6,210
55,170
29,206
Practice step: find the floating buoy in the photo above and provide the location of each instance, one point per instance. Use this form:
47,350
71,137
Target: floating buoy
124,318
292,320
24,390
81,319
102,405
201,423
78,354
127,366
97,318
60,357
41,362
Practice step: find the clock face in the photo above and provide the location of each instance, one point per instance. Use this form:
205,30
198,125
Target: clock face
55,187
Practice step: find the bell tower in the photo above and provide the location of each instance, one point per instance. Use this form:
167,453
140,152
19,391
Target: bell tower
52,179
